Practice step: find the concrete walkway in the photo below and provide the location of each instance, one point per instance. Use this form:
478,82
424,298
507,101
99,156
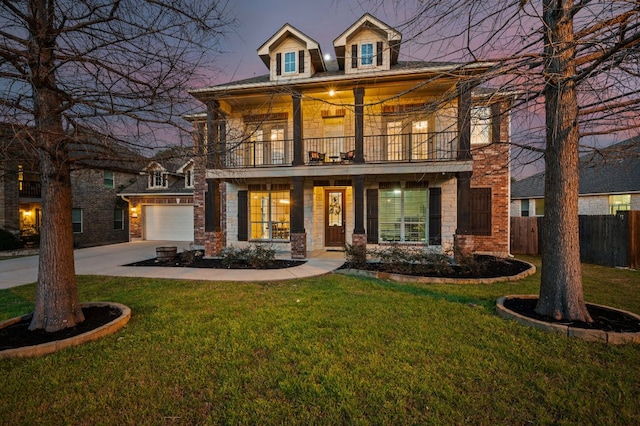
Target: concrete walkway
108,260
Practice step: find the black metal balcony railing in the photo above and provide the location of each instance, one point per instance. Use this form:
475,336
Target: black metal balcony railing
409,147
30,189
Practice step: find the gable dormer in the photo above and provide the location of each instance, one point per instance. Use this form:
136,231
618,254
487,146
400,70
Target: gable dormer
187,171
158,176
291,54
367,45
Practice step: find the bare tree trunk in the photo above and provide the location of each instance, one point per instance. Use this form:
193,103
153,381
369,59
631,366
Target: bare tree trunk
57,304
561,294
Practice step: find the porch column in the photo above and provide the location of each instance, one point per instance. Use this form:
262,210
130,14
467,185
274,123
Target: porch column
213,217
298,136
358,94
298,235
213,149
464,121
359,237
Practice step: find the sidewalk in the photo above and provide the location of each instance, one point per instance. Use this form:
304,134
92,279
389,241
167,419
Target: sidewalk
108,260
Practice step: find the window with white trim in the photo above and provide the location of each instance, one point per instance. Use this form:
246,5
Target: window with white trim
76,221
118,219
108,179
366,54
290,62
269,213
619,203
158,179
480,125
403,215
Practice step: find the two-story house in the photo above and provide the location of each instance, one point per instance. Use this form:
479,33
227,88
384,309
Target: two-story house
99,216
161,201
364,150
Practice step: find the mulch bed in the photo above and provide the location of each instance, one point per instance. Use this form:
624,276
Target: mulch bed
200,262
482,267
18,335
603,318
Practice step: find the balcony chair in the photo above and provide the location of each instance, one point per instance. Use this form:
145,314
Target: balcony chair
347,156
316,157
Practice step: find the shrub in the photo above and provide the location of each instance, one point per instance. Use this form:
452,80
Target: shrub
356,254
256,256
8,241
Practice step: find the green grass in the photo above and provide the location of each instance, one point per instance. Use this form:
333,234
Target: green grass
328,350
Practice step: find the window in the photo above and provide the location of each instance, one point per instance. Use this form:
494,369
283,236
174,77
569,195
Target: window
403,215
480,125
157,179
269,215
267,145
188,178
76,220
290,62
118,219
481,211
394,141
524,208
539,206
366,54
618,203
419,140
108,179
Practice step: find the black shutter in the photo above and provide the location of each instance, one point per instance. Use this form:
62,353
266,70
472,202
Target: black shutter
372,216
279,64
300,61
435,216
243,216
354,56
481,211
379,53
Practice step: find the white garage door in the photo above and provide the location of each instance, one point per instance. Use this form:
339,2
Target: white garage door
173,223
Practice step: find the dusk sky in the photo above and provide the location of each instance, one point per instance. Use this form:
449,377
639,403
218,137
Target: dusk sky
322,20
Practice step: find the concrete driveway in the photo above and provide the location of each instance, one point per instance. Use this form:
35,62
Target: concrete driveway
109,260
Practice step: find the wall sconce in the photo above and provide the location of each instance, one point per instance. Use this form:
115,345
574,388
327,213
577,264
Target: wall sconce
134,212
26,213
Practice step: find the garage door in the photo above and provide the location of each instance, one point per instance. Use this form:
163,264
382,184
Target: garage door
174,223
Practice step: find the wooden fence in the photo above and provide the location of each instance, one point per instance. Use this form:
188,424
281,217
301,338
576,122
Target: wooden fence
604,240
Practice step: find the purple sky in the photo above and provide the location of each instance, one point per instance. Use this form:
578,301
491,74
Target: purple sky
322,20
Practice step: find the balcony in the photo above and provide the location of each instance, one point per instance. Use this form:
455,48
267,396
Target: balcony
30,189
406,148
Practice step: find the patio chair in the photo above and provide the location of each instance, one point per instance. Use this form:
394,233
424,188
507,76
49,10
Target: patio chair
316,157
347,156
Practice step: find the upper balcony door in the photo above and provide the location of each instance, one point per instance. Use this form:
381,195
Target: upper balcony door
333,129
267,146
394,141
419,140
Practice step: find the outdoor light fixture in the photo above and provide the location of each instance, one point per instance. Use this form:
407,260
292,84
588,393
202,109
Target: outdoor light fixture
332,92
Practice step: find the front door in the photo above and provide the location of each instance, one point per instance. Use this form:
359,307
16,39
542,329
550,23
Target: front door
334,218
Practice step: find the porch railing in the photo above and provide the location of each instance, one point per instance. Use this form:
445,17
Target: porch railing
409,147
30,189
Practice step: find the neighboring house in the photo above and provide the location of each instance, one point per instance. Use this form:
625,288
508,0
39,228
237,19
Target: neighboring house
365,150
161,201
609,182
99,215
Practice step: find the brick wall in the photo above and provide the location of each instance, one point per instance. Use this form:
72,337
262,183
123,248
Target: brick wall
9,197
491,170
98,204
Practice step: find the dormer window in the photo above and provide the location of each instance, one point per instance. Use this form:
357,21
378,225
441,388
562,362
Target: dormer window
188,178
366,54
290,62
157,179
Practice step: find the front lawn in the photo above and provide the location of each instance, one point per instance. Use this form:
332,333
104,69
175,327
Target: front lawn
329,350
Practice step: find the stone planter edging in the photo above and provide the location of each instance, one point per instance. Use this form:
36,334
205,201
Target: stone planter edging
589,335
89,336
437,280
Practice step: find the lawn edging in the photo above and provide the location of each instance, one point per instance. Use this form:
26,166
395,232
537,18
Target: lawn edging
55,346
437,280
589,335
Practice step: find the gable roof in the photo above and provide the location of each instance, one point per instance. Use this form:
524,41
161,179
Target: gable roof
370,22
611,170
286,31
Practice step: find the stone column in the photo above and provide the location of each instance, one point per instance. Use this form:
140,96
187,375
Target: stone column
298,234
